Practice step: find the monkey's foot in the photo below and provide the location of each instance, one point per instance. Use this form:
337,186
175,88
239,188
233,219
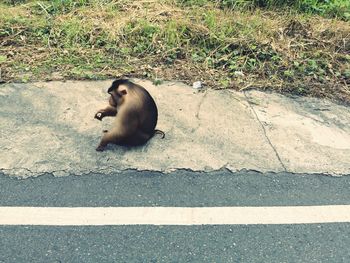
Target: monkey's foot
100,148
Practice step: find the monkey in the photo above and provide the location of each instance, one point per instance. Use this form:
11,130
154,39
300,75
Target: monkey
135,112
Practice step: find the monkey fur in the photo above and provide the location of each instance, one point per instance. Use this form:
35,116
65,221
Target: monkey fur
136,115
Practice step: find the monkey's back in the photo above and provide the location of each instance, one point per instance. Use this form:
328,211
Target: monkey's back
146,108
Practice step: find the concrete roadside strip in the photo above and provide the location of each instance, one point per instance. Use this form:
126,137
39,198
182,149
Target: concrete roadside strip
48,127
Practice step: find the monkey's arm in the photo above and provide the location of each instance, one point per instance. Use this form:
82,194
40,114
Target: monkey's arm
108,111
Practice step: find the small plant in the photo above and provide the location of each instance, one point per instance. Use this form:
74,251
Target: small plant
55,7
157,81
13,2
2,59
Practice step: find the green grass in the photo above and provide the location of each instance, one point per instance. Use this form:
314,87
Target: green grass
289,46
327,8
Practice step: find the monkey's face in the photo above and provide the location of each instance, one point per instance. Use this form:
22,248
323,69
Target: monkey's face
117,96
112,102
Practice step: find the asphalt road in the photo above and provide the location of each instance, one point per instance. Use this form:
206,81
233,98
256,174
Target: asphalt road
207,243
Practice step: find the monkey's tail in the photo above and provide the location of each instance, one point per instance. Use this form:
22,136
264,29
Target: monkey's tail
159,132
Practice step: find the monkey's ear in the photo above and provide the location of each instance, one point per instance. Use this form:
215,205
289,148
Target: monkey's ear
123,91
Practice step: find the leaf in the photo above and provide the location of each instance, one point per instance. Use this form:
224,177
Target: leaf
3,59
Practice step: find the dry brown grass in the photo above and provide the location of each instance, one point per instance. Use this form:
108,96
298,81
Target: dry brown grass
160,39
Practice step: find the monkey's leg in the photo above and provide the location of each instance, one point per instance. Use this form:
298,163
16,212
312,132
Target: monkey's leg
118,134
108,111
107,137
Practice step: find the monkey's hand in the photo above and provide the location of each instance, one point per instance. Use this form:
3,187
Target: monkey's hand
108,111
99,115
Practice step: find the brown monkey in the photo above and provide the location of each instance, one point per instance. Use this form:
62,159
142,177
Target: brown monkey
136,115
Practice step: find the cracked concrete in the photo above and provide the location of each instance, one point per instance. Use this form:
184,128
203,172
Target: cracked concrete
265,134
310,135
48,127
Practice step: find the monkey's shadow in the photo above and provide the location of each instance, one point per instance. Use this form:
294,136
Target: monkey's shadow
117,147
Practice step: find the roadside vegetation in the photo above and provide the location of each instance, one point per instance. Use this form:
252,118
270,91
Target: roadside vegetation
291,46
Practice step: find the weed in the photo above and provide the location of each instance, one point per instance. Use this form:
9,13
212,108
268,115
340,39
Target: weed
328,8
157,81
227,43
3,59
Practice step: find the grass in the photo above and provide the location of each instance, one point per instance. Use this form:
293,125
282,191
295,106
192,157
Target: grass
300,47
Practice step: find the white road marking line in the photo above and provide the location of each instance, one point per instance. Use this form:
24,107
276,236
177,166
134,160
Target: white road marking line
96,216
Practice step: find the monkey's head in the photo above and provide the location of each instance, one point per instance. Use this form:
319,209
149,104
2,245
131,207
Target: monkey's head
117,92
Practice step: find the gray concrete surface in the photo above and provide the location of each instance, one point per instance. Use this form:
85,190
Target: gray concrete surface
309,135
48,127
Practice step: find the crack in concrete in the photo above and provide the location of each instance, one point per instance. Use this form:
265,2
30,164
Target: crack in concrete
198,111
57,173
265,134
200,104
238,100
109,170
32,173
